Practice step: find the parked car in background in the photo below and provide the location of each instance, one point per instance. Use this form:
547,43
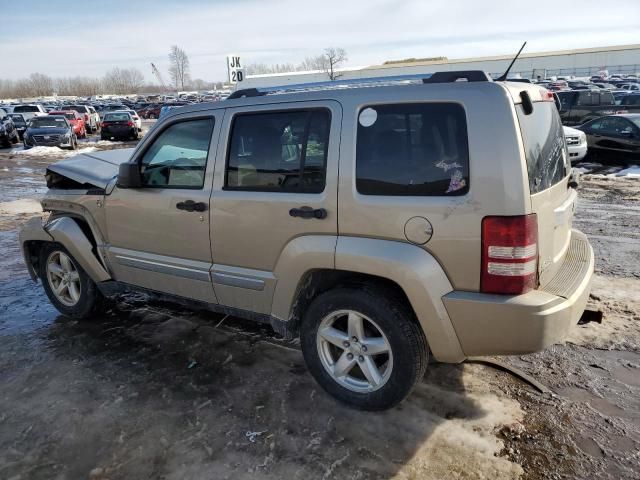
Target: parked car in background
151,112
19,122
8,132
7,108
118,125
576,143
91,122
111,108
50,131
75,119
30,111
630,87
136,118
614,136
577,107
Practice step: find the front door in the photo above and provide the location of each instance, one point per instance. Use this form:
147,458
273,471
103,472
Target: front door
158,235
277,185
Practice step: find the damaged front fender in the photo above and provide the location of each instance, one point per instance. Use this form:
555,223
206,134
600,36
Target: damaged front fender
67,232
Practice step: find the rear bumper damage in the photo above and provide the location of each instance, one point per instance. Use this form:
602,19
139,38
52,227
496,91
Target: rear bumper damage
511,325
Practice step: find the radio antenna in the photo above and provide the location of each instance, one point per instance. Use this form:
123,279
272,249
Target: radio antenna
503,77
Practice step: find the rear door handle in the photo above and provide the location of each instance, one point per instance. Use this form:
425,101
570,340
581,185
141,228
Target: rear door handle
191,206
308,212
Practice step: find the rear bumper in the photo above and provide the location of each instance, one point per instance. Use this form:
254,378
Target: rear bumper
509,325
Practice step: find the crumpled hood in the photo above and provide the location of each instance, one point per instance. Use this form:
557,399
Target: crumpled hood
95,168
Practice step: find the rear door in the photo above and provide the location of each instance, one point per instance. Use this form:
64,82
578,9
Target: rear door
548,169
276,181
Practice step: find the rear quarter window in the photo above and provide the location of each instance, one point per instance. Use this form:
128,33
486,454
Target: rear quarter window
544,146
418,149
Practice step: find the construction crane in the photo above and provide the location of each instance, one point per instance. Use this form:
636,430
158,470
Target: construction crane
156,72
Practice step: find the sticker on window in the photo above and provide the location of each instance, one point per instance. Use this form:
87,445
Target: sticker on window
368,117
457,182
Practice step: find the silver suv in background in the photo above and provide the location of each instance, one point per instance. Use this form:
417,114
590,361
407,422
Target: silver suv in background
379,224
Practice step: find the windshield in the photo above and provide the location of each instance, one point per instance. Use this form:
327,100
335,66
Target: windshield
26,108
17,119
45,122
116,117
635,120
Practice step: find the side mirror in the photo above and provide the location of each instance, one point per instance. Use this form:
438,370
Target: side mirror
129,176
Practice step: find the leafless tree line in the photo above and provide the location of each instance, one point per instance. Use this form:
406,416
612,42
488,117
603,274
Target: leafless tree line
117,80
328,61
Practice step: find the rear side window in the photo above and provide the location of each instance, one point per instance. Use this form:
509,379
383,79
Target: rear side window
544,146
279,151
26,108
418,149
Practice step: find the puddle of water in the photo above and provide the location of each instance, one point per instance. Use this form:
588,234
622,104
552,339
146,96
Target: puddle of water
602,405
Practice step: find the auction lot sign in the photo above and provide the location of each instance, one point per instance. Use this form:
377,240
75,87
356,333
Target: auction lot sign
235,70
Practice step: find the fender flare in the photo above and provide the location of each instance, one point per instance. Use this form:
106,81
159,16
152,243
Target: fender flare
421,278
67,232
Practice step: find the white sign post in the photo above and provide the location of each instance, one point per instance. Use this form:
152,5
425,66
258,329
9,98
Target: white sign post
235,69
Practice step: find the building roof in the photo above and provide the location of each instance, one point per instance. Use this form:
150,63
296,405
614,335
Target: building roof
510,56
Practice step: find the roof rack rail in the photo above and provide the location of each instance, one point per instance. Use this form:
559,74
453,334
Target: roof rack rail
438,77
461,75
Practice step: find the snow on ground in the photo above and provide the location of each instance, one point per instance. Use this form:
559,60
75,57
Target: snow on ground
52,151
16,207
633,172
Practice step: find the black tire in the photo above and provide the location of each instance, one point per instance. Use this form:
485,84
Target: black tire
395,319
90,301
151,116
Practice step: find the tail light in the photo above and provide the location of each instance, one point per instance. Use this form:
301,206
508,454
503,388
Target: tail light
509,254
86,117
129,124
104,124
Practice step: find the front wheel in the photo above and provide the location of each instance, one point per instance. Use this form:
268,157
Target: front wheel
364,346
66,284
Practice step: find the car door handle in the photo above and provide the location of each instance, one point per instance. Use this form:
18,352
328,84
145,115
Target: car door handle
191,206
308,212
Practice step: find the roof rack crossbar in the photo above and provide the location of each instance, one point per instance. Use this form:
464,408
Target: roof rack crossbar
456,76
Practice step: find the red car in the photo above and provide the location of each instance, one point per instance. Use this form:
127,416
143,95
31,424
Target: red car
76,121
150,112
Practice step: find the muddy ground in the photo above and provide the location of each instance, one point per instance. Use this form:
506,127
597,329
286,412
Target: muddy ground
151,391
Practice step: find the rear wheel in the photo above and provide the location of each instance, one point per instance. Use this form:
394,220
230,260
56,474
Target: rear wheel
151,116
364,347
66,284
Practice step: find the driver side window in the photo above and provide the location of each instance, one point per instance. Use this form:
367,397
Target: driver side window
178,157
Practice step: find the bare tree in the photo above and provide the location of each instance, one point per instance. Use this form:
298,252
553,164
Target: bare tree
263,68
40,84
313,63
179,67
333,58
123,80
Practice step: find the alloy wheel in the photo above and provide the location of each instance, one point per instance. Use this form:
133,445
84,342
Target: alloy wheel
63,278
354,351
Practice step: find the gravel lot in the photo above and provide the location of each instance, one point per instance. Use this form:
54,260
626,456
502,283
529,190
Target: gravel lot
149,390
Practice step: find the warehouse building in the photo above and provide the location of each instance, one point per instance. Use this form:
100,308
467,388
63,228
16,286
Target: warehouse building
623,59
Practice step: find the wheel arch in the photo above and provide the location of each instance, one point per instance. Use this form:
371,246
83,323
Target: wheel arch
72,233
411,272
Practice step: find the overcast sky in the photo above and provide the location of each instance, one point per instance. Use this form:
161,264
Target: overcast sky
62,38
